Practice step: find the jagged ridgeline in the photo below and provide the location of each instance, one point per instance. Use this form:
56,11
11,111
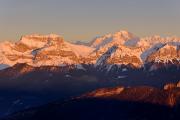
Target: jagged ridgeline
121,49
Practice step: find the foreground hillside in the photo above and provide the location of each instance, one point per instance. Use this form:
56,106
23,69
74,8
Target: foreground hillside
133,103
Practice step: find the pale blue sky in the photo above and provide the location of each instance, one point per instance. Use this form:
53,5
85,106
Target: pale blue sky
85,19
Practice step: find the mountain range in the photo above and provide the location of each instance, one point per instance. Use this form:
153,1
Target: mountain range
121,49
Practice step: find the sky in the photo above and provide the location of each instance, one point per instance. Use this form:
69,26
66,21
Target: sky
86,19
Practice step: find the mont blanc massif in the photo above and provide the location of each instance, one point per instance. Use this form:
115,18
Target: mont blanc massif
115,76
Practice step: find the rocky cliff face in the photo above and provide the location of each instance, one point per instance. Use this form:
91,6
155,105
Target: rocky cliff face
40,50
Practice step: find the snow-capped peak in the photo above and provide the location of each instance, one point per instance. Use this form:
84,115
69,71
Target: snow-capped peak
42,36
37,41
162,53
121,38
123,33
